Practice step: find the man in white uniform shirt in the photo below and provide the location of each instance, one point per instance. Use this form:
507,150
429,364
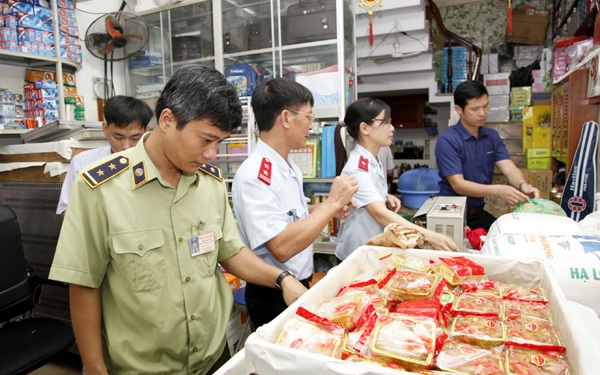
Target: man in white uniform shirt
125,121
273,217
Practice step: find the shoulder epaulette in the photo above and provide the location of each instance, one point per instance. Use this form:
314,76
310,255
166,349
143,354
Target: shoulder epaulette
212,170
363,163
99,174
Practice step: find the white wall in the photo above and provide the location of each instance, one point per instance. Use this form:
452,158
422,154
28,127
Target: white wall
93,66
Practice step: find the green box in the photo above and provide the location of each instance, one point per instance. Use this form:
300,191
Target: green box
539,163
539,153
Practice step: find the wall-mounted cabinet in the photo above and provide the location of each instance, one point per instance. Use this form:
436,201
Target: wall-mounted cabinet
570,110
310,41
407,111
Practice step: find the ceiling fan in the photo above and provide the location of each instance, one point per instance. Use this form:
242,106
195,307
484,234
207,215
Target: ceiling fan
396,55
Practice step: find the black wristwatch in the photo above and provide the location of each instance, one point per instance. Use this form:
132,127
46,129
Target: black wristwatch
282,276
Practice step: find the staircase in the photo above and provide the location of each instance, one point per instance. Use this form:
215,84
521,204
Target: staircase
400,61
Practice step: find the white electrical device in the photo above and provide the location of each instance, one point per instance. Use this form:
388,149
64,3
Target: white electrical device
445,215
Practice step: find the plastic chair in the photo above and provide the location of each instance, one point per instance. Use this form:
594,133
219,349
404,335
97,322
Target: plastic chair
26,342
239,298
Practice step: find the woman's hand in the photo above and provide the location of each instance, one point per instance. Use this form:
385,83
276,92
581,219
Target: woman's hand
440,241
393,203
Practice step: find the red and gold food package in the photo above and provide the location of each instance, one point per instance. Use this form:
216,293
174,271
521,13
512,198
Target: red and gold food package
492,288
461,358
406,340
478,330
521,361
406,262
457,270
311,333
477,304
516,309
533,333
344,310
525,294
408,285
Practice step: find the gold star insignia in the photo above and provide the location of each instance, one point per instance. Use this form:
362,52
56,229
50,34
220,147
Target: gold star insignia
112,166
100,172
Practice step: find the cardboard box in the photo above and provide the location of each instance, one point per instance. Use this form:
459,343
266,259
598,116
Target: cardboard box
265,357
542,180
529,26
497,84
537,127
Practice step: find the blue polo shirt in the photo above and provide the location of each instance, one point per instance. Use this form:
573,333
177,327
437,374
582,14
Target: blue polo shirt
458,152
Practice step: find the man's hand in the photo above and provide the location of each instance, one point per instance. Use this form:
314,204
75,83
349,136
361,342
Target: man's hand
511,195
292,289
530,191
393,203
345,211
342,190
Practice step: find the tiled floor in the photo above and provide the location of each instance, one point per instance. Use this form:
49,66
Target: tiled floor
68,364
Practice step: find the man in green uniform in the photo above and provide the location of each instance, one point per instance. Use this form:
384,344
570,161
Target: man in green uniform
142,237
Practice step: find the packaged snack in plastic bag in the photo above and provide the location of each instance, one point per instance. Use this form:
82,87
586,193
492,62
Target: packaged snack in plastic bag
314,334
540,206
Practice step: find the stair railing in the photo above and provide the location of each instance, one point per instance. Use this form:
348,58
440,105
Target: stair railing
472,66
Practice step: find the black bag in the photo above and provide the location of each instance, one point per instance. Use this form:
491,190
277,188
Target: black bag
311,20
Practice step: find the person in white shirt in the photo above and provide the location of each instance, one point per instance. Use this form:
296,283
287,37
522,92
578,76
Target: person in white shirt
387,162
273,216
368,121
126,119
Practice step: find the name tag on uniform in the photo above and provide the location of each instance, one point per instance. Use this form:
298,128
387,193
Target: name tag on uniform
202,244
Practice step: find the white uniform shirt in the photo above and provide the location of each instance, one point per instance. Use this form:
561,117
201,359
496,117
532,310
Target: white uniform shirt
77,164
386,158
372,187
264,210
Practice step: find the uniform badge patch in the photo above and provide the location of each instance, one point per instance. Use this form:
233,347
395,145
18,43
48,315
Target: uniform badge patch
99,174
139,174
212,171
363,163
264,174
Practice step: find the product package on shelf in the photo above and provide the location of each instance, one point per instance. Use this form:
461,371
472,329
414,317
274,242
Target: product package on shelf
265,357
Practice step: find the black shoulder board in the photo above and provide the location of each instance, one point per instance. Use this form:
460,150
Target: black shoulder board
99,174
212,170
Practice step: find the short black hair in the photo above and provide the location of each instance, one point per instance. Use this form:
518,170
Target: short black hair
197,92
468,90
364,110
272,96
122,111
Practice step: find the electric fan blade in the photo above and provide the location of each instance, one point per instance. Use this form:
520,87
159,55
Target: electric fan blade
135,36
110,27
109,48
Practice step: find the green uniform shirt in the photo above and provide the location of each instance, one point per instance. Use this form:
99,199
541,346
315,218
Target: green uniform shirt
164,310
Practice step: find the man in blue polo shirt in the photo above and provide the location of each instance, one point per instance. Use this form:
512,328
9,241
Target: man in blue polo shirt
467,153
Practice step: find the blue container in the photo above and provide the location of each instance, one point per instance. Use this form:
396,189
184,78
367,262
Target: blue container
418,185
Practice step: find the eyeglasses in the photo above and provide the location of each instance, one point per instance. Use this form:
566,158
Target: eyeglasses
311,116
383,121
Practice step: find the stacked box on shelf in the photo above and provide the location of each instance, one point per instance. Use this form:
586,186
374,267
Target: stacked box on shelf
41,101
11,109
537,136
69,32
28,28
520,97
498,87
460,67
73,103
